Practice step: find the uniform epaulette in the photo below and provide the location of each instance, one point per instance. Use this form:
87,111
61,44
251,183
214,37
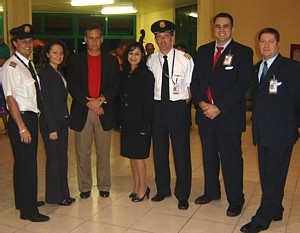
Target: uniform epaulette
188,56
13,64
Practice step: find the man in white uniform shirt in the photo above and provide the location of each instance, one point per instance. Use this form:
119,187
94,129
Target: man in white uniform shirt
172,70
21,91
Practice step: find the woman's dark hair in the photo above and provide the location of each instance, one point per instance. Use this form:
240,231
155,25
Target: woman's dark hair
47,48
130,48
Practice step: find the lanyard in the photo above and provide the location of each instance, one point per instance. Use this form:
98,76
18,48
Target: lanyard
172,70
22,61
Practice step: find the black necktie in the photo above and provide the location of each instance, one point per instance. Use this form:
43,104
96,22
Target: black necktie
37,86
165,96
264,72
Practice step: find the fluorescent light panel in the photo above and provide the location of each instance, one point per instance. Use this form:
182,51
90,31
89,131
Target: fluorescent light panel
91,2
193,14
118,10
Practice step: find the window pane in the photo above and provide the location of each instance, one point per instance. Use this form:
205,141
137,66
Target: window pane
85,20
58,25
120,26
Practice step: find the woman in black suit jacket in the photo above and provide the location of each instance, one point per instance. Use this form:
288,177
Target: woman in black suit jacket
137,94
54,123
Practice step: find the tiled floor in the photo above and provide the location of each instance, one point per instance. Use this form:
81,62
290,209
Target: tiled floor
118,214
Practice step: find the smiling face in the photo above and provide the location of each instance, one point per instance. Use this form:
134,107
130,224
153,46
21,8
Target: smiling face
223,30
268,45
134,58
24,46
56,55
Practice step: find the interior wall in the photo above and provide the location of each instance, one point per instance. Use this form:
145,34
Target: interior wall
251,16
148,19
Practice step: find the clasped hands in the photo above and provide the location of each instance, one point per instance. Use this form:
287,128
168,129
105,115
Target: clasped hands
95,105
211,111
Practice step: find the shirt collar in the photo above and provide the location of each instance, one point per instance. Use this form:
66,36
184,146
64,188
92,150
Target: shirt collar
224,46
24,59
270,60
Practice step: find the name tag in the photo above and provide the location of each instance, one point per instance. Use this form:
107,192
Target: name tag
273,85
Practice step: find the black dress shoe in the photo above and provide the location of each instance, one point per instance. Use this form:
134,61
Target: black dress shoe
132,195
234,210
104,193
159,197
35,218
85,195
67,201
205,199
136,198
183,205
252,227
40,203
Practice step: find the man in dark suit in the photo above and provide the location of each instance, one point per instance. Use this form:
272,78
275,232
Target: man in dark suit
275,122
93,81
218,92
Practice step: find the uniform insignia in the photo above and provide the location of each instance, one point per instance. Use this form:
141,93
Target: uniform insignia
26,29
13,64
188,56
162,24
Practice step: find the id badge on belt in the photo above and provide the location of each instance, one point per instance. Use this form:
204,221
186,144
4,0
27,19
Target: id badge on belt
273,85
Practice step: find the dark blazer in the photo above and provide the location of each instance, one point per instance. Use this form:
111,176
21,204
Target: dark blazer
275,117
55,95
77,76
137,94
228,85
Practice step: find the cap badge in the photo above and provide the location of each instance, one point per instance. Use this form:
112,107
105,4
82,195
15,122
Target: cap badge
27,29
162,24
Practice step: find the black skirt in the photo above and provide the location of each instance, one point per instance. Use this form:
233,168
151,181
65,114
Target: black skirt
134,145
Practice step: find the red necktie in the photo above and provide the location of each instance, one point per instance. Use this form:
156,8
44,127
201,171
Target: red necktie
216,58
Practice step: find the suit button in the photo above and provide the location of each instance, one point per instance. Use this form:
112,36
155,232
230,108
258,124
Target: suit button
126,104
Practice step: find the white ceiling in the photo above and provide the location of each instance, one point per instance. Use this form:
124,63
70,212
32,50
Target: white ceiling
143,6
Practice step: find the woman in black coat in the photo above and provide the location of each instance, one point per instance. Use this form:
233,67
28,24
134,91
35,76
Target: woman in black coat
54,123
137,94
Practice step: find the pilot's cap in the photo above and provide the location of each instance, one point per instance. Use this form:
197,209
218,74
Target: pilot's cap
162,26
22,32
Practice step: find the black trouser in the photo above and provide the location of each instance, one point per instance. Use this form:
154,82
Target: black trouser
273,169
25,164
171,120
57,188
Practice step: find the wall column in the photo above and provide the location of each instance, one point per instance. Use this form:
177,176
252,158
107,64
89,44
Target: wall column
15,13
205,14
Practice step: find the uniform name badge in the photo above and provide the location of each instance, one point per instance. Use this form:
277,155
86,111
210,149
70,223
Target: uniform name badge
228,60
273,85
176,88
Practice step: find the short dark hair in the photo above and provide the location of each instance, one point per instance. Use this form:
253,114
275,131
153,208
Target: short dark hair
224,15
93,26
148,44
272,31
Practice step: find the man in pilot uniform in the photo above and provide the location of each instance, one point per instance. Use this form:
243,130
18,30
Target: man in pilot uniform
172,70
22,93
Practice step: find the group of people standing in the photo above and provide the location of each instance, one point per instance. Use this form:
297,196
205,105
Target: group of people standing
154,95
